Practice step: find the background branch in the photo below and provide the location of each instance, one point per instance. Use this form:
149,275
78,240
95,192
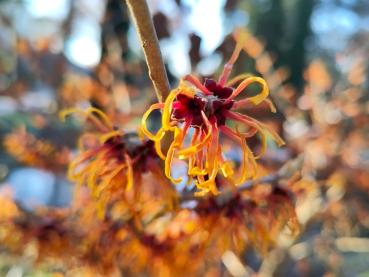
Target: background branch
150,45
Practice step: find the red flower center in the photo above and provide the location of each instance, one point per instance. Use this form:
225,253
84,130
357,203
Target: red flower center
130,143
213,105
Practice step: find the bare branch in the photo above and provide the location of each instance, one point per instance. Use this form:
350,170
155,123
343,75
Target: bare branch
149,42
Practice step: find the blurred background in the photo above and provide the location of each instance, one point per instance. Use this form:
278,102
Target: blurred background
313,53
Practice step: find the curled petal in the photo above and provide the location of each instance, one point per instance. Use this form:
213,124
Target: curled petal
202,191
157,145
72,173
168,162
194,171
264,144
183,133
246,103
264,132
238,78
208,185
271,105
248,159
193,80
92,169
178,137
109,135
232,134
261,127
241,39
167,111
195,148
212,164
102,115
102,122
249,166
168,105
227,169
129,171
257,99
160,134
108,179
213,151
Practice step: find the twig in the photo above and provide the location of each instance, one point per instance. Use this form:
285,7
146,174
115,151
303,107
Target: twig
226,195
285,172
149,42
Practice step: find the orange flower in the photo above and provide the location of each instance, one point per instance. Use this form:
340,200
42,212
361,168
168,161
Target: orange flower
205,108
106,161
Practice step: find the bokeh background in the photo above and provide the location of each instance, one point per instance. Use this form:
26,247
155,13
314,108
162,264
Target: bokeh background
313,53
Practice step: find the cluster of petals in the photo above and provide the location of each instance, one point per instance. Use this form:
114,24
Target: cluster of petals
199,112
106,160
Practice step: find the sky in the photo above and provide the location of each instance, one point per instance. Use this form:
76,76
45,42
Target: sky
202,17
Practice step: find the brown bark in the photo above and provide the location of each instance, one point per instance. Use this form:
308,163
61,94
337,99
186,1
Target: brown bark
150,45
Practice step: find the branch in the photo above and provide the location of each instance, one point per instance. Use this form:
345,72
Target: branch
150,45
285,172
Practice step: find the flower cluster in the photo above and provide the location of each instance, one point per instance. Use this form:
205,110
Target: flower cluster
201,111
106,161
157,246
126,212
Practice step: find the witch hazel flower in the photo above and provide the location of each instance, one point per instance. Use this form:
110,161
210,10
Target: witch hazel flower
112,163
208,108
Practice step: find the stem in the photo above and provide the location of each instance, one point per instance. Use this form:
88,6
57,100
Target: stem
150,45
285,172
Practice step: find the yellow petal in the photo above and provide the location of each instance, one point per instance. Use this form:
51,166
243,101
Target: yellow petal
109,135
108,179
227,169
160,134
158,150
101,122
129,171
168,162
271,105
238,78
195,148
167,110
102,115
194,171
264,145
257,99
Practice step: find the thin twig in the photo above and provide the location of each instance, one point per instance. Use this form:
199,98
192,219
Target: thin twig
227,194
285,172
149,42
